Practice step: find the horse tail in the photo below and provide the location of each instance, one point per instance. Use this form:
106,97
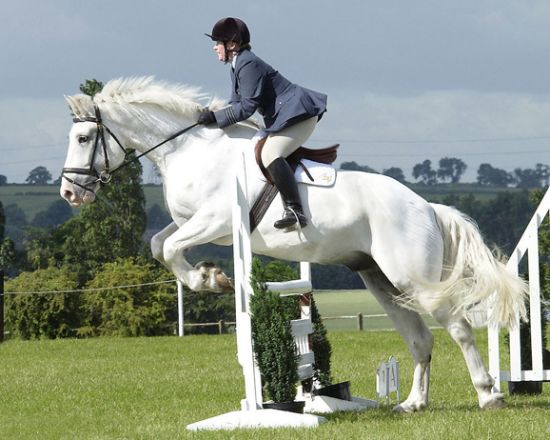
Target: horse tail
472,274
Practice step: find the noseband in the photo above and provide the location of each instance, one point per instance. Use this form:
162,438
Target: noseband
106,175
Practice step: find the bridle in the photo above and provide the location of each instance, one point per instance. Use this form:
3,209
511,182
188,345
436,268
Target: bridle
106,175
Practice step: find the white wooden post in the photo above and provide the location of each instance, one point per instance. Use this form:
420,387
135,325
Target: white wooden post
181,331
527,246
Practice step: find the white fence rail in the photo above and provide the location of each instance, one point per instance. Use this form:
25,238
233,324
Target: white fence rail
528,246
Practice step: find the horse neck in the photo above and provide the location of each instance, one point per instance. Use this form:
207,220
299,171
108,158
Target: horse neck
141,134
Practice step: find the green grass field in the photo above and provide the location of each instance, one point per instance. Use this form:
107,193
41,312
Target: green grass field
332,303
151,388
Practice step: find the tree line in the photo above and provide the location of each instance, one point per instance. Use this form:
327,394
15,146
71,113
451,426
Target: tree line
451,170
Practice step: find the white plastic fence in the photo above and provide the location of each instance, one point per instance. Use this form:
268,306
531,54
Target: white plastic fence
528,246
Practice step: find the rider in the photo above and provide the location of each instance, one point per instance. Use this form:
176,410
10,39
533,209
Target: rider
290,112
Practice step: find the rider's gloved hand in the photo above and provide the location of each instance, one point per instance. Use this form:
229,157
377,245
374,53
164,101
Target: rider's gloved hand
206,117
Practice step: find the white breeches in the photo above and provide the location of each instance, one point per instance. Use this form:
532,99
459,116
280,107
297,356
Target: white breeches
288,140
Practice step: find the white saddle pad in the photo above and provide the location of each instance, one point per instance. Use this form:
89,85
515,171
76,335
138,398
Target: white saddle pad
322,174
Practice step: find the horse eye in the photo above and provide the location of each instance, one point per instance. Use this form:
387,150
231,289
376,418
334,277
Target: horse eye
82,139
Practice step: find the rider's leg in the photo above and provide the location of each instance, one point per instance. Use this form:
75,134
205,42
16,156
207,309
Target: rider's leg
278,146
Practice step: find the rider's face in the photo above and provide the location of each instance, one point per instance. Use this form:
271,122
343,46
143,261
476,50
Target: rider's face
224,51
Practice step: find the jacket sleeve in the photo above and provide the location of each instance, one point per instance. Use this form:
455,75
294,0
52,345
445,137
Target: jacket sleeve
250,80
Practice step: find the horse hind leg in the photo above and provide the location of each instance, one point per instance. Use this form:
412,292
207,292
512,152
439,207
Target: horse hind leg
413,330
461,332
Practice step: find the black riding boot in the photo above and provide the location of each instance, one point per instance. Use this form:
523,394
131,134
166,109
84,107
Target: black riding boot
283,178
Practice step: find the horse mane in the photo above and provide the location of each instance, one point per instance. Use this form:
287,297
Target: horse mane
127,93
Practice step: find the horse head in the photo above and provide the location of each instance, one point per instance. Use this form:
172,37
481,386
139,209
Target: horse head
93,152
132,112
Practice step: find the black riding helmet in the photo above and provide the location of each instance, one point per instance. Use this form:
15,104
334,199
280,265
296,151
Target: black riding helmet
230,29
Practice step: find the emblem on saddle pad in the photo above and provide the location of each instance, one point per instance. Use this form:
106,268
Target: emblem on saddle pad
315,173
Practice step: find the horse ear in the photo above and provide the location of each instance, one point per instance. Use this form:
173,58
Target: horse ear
70,102
80,105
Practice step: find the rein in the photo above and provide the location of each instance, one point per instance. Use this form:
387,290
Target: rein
106,175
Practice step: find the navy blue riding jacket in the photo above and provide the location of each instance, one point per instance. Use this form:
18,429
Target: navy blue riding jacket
258,86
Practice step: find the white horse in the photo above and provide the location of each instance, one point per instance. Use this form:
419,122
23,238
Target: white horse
413,256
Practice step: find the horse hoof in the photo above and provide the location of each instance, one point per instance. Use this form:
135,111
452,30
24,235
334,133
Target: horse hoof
224,283
495,401
409,408
213,279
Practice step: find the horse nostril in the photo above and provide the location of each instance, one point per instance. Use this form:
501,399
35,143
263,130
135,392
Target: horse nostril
67,195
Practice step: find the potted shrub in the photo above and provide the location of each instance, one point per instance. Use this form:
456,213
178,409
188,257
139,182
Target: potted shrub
274,345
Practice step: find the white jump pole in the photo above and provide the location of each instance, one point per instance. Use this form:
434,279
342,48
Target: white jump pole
180,308
251,414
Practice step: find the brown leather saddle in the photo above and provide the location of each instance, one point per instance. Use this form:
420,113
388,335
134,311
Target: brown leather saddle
325,155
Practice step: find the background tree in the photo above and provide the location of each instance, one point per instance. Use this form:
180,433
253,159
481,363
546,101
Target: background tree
488,175
527,178
110,228
2,222
354,166
157,218
36,316
543,172
132,311
57,213
423,172
91,87
3,180
396,173
451,168
39,176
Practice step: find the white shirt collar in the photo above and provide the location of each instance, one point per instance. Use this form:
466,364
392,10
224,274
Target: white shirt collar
234,60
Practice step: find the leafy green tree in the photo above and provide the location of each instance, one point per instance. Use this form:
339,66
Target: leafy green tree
46,315
3,180
91,87
110,228
7,253
354,166
15,223
543,172
2,221
396,173
488,175
526,178
131,311
57,213
451,168
39,176
424,172
157,218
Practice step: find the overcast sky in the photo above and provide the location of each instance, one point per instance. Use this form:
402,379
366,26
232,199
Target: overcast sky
406,80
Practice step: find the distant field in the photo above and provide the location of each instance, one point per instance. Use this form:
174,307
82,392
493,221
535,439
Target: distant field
35,198
333,303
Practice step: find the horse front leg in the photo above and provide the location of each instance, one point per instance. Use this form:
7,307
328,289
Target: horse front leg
200,229
157,242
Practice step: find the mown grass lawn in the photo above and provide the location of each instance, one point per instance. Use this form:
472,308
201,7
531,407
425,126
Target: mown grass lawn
151,388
